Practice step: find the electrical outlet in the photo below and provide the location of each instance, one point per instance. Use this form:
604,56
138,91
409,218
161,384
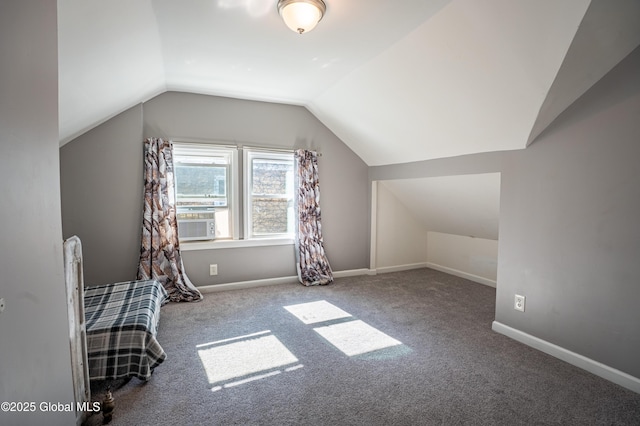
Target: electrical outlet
519,303
213,269
1,305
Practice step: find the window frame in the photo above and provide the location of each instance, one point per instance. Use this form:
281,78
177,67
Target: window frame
182,148
248,155
239,203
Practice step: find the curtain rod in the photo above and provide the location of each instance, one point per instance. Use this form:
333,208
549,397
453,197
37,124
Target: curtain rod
266,148
236,144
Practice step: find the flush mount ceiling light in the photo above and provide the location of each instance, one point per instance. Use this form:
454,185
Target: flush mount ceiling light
301,15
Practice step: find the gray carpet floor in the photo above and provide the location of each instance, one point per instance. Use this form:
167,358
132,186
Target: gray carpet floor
439,362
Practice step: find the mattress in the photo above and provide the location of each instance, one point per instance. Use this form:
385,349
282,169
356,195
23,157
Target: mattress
122,324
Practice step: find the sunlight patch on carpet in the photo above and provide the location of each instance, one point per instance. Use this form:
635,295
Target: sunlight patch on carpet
351,336
314,312
356,337
244,356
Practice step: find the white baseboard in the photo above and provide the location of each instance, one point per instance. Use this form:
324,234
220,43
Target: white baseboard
616,376
247,284
462,274
398,268
353,273
342,274
276,281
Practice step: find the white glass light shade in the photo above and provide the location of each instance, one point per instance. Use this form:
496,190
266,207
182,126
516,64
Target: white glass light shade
301,16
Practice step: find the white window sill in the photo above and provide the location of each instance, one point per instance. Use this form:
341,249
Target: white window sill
226,244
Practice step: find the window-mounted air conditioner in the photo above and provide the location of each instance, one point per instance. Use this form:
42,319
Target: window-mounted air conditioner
193,226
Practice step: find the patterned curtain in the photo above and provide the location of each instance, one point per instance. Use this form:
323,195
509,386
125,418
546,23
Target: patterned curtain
160,250
311,262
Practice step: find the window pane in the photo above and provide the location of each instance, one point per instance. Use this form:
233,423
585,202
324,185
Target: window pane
201,185
270,215
270,177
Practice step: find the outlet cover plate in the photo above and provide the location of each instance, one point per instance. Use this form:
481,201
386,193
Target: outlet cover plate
519,303
213,269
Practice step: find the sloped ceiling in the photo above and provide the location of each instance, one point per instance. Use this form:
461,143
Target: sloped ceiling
396,81
466,205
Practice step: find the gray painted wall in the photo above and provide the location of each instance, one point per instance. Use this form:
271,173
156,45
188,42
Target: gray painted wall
569,237
101,180
569,227
240,264
35,361
102,202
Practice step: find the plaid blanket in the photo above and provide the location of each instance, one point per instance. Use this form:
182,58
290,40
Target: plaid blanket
122,323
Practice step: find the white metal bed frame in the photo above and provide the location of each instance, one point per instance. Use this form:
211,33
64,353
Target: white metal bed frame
74,279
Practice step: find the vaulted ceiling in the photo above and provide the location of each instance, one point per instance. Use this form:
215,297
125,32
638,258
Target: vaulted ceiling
396,81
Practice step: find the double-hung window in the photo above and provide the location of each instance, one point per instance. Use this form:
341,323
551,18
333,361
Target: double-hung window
268,193
206,191
219,200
